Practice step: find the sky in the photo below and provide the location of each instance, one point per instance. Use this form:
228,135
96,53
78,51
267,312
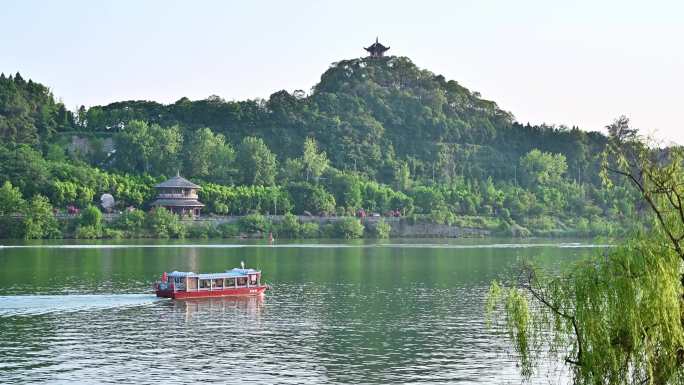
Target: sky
575,63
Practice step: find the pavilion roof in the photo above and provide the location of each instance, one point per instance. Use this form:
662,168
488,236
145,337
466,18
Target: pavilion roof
376,47
177,182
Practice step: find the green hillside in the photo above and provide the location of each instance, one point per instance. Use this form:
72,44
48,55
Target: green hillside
376,133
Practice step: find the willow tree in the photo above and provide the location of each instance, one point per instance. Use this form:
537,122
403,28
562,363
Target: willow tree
616,318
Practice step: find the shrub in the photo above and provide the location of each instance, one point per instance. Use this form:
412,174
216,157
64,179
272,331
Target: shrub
327,230
91,216
131,222
582,226
162,223
39,220
310,230
253,223
519,231
347,228
11,227
289,227
441,215
541,223
112,233
200,231
382,229
87,232
228,230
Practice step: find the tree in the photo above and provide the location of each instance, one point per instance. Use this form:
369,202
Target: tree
315,163
542,168
91,216
39,220
207,155
311,198
289,227
347,190
256,163
291,171
131,222
402,176
11,200
144,148
617,318
162,223
348,228
382,229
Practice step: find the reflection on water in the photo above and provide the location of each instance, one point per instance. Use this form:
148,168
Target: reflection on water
353,314
231,307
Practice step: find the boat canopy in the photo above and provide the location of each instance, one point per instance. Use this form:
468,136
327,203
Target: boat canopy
233,273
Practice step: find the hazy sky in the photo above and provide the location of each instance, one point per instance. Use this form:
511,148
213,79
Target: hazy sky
561,62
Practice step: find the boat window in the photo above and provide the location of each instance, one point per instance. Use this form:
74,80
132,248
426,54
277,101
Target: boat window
204,283
192,283
230,282
218,283
242,281
253,279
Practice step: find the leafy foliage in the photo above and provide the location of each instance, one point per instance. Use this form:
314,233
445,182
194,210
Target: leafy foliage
382,229
380,135
616,318
161,223
11,200
39,220
348,228
28,111
253,223
257,164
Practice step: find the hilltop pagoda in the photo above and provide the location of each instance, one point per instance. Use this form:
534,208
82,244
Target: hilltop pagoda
179,196
376,49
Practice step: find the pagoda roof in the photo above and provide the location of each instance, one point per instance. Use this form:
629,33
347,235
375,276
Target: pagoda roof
177,182
178,203
376,47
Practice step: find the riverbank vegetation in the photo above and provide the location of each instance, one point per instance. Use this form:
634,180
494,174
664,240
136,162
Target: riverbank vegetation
375,134
617,318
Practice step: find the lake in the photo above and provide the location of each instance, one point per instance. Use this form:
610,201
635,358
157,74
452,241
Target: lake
339,312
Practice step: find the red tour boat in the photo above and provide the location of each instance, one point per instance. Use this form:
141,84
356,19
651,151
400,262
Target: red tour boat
238,281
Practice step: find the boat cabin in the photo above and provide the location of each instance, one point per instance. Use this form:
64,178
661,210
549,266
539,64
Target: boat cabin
234,278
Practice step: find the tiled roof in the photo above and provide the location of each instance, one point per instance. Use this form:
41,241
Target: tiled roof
178,182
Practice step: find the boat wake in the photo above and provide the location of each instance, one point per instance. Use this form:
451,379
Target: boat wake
32,305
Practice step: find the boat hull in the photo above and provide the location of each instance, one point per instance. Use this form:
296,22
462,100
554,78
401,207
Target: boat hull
230,292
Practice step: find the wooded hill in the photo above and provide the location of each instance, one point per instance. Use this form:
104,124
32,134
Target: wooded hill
431,145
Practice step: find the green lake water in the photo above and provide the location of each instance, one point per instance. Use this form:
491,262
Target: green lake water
339,312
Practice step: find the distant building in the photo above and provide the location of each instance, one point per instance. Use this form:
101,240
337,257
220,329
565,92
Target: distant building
179,196
376,49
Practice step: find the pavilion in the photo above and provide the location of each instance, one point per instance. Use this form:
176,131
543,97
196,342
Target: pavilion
376,49
179,196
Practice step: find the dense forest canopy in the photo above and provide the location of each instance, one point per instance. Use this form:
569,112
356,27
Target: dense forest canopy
374,133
